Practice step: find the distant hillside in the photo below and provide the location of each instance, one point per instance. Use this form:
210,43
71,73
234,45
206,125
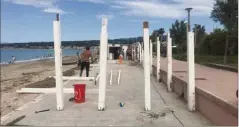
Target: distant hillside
69,44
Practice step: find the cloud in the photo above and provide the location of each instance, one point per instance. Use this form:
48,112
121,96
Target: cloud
93,1
149,9
108,16
35,3
48,6
54,10
158,8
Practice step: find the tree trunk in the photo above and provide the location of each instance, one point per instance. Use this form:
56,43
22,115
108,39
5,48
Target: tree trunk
225,54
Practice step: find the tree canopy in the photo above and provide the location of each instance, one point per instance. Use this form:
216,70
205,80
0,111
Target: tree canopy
226,12
178,33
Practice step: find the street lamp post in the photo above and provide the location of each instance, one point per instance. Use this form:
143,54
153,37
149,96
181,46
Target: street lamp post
188,10
191,65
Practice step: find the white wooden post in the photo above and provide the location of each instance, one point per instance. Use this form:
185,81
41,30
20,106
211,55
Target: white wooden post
169,57
158,59
103,64
140,52
142,58
135,55
132,52
191,71
147,67
119,73
138,55
151,57
111,76
58,64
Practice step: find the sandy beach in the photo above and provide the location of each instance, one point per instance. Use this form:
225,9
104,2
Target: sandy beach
30,74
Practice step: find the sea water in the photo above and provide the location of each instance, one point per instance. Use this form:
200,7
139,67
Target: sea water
31,54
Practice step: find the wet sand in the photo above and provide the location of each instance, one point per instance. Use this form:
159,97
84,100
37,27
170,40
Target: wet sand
30,74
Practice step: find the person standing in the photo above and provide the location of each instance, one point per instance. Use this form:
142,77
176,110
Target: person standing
85,56
13,59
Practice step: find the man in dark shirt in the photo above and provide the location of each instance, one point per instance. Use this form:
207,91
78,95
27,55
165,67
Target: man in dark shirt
85,56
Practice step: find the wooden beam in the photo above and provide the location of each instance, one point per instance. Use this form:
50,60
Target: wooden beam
78,78
52,90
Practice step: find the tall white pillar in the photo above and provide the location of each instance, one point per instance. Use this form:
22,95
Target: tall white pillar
58,64
103,64
191,71
151,57
147,67
169,60
158,59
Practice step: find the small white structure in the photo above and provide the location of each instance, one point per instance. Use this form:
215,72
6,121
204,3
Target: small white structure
103,64
158,59
147,67
169,59
111,76
119,76
58,63
191,71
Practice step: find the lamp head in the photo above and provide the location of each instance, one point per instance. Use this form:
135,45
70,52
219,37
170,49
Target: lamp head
188,9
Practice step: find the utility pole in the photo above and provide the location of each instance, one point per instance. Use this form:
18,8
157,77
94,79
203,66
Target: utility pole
188,10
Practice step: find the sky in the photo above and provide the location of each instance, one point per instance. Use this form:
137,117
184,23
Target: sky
32,20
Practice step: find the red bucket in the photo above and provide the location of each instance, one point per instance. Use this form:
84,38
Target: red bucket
79,91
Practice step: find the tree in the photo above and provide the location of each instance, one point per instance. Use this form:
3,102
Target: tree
178,32
226,12
199,35
214,43
161,32
157,33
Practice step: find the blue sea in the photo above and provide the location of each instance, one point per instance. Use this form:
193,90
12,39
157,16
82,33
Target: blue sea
31,54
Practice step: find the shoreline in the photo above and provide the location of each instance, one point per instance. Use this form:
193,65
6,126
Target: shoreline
25,61
32,60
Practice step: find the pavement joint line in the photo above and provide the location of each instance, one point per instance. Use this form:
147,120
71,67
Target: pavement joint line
165,101
162,97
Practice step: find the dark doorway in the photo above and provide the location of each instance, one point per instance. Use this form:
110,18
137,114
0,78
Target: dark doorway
114,50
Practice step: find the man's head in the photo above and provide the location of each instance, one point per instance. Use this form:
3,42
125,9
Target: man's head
87,48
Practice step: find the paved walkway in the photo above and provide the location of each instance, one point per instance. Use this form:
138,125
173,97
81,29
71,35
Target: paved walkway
130,91
219,82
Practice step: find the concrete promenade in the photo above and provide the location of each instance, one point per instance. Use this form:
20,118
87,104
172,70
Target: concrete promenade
172,111
215,81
